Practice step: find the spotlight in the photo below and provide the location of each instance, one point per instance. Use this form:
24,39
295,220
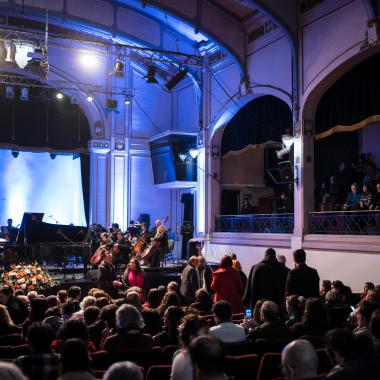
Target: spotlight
59,95
53,156
90,98
10,59
88,60
150,75
182,156
15,153
118,69
193,152
176,79
24,94
127,100
9,92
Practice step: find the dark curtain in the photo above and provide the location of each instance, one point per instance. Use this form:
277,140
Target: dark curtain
351,99
85,172
262,119
188,207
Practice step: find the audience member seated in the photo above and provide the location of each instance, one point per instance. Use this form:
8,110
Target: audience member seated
375,331
133,299
105,327
353,198
91,315
302,280
73,328
68,310
363,315
16,308
9,371
53,317
172,318
332,196
225,330
153,299
227,285
366,198
75,361
350,355
152,321
37,312
203,302
191,327
74,295
123,371
376,200
170,299
129,337
62,296
315,319
86,302
256,320
207,357
52,301
273,326
42,364
6,324
367,286
299,360
325,287
294,309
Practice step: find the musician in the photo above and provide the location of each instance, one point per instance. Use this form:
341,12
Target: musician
121,249
114,231
132,229
107,278
161,237
153,230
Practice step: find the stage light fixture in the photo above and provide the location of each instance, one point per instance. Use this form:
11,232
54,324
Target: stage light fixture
118,69
176,79
182,156
53,156
194,152
127,100
88,60
24,94
38,63
90,98
9,92
15,153
59,95
10,59
150,75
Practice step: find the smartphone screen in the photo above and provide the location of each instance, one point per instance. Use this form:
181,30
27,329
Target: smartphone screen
248,314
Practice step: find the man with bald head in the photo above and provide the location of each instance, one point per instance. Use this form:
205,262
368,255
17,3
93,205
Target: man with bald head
299,361
204,273
189,280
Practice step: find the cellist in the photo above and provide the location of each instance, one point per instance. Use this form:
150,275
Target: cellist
121,249
161,237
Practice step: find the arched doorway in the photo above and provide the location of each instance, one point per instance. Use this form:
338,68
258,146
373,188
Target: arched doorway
248,150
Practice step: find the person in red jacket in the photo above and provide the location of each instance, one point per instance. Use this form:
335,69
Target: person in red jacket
227,285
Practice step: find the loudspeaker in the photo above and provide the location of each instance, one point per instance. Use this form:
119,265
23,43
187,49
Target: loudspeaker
92,275
286,171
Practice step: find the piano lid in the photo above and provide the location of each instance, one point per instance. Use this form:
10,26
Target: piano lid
34,230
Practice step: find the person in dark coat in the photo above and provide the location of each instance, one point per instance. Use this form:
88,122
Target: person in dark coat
107,278
204,273
302,280
227,285
266,280
189,280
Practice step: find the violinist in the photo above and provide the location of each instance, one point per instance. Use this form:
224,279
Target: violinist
121,249
113,231
161,238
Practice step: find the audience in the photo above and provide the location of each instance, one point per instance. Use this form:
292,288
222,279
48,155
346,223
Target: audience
299,361
6,324
363,315
8,371
294,309
169,335
203,301
123,371
16,308
225,330
353,198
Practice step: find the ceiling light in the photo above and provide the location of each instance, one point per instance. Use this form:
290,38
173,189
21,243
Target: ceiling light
90,98
176,79
288,141
150,75
127,100
88,60
193,152
10,58
24,94
59,95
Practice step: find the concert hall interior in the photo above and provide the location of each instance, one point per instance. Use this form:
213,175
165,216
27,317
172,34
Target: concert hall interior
141,133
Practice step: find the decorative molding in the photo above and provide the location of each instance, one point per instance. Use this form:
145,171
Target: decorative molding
372,34
267,27
99,146
306,5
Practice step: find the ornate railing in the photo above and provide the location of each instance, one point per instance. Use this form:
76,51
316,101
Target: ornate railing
259,223
345,222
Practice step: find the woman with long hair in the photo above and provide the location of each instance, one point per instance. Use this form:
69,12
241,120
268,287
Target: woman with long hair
6,324
134,274
170,299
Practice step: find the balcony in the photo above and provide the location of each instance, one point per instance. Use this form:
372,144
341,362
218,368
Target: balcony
256,223
345,222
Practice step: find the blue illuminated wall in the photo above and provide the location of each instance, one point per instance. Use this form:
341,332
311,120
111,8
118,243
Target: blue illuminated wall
33,182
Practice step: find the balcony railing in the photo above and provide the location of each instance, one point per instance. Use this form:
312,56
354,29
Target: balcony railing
345,222
258,223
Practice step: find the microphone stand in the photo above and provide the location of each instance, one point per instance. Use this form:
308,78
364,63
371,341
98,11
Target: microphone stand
60,233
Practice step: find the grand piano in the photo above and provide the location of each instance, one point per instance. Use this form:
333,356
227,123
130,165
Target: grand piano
53,244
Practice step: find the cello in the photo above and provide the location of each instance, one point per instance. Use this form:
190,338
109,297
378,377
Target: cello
154,245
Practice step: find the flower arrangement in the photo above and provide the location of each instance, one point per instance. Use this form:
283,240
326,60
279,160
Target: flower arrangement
27,277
